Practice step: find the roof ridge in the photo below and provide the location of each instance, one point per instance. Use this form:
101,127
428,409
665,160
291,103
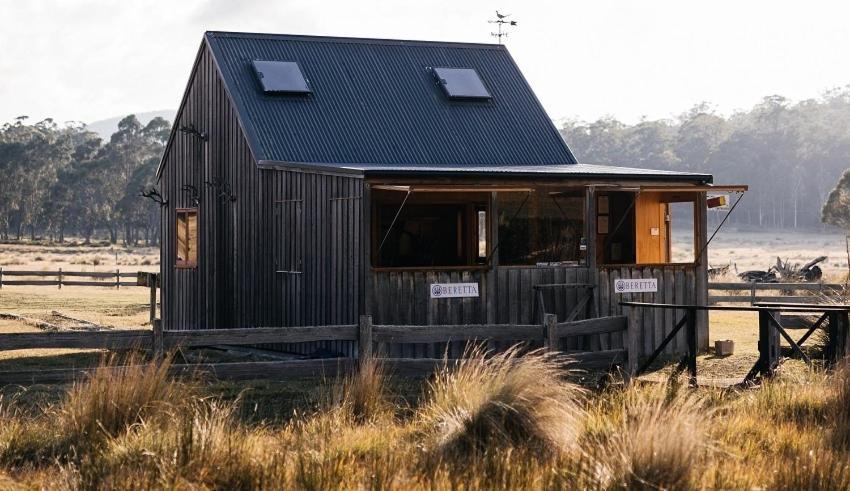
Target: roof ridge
352,40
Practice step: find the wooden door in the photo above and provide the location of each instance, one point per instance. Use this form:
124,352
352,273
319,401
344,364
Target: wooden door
651,229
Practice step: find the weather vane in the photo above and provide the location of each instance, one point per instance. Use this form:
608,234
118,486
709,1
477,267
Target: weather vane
500,21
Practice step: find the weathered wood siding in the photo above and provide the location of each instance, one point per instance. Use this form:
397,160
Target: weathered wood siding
197,298
254,223
403,297
676,284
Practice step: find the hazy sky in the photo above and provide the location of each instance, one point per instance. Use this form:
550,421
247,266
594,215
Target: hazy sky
91,59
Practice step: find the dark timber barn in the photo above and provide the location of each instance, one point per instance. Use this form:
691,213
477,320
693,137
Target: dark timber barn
309,180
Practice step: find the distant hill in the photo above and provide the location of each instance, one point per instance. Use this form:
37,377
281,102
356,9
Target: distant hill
106,127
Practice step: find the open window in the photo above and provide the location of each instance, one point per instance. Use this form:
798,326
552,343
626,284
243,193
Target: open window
545,226
653,225
419,228
187,237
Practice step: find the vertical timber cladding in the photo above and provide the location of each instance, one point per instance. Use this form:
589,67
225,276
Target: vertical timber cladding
403,298
676,284
190,297
236,283
219,176
309,252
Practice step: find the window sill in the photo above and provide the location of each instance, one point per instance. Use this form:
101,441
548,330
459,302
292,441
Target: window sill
186,265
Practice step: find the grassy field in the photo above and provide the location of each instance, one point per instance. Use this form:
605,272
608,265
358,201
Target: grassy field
495,423
758,250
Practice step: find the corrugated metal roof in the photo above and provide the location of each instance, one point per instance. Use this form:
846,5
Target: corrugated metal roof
375,103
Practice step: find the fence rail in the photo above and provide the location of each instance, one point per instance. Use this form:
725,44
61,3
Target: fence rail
103,278
365,334
781,292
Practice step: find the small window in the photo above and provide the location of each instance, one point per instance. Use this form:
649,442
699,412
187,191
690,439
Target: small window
482,234
461,83
281,77
187,238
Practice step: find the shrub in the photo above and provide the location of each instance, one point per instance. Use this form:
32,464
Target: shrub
506,400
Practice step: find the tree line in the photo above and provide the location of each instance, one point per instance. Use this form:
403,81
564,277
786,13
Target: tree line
61,180
791,154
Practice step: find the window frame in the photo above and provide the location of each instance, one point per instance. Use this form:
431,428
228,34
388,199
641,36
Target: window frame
186,263
666,196
533,205
468,233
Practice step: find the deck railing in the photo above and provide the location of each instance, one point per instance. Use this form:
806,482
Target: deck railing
781,292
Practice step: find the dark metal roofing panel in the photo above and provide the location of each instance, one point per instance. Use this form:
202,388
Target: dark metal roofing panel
375,102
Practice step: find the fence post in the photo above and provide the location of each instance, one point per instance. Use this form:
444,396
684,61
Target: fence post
152,285
632,351
117,279
1,277
691,336
768,344
158,342
550,324
60,278
364,338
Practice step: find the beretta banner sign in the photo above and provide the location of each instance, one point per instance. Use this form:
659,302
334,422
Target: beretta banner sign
454,290
639,285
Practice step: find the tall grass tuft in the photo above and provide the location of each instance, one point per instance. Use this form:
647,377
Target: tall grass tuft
659,439
819,470
840,383
362,395
504,401
115,397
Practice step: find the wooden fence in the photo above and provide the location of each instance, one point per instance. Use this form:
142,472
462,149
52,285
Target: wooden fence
367,336
773,292
115,279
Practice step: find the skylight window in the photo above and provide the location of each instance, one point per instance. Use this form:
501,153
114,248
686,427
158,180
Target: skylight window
461,83
281,77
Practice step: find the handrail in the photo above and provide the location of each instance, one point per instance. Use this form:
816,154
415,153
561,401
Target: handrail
753,308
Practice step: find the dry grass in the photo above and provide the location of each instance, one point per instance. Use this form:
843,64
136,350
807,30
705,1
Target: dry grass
78,257
511,423
503,401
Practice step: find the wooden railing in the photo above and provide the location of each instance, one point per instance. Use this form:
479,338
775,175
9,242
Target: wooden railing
781,292
61,278
550,333
771,328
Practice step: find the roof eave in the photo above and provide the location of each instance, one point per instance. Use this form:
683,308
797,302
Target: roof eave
607,176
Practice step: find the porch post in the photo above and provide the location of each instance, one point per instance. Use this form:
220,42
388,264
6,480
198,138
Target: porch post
491,273
701,274
590,241
366,297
